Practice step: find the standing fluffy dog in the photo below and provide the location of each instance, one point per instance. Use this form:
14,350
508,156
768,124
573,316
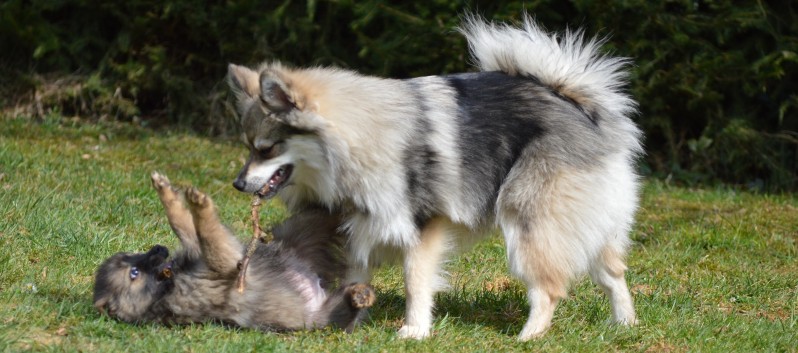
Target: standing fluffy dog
286,279
539,143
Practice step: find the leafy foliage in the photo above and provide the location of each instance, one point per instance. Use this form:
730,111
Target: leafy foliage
717,84
716,79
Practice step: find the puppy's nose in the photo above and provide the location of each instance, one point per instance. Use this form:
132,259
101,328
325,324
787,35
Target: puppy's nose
240,184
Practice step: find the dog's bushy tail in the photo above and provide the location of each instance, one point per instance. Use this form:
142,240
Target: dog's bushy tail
570,64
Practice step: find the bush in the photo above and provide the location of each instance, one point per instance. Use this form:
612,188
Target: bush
715,79
717,85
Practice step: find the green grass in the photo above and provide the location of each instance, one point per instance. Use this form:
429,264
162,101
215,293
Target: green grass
711,269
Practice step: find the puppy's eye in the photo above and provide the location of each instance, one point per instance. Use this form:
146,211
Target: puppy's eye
134,273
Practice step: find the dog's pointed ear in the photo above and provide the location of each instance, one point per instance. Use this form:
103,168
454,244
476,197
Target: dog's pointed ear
274,93
243,81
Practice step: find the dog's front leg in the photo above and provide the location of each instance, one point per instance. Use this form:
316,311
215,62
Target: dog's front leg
422,279
179,217
221,250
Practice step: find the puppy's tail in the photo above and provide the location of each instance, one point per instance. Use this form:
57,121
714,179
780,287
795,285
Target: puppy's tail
570,65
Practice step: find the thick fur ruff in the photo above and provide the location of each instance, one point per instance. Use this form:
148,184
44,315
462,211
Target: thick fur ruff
538,143
289,281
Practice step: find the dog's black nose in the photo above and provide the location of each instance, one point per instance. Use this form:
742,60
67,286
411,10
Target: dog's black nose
240,184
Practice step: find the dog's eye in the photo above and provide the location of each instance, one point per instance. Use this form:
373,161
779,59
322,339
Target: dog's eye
271,151
134,273
266,152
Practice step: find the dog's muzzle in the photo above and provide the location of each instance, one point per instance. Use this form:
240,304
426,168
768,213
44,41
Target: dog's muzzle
277,181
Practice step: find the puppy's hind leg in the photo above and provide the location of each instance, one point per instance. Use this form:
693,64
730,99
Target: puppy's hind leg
347,306
179,217
221,250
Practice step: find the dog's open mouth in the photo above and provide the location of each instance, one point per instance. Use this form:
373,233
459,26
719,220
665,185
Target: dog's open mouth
276,182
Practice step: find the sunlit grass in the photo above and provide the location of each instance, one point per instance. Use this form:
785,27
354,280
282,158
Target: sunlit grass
711,269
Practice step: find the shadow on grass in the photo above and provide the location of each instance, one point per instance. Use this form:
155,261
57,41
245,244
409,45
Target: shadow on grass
504,312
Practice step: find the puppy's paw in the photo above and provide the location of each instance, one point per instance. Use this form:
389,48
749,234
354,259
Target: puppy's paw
197,199
414,332
167,193
362,295
159,182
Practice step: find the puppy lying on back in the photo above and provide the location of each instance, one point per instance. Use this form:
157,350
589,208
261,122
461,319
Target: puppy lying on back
288,280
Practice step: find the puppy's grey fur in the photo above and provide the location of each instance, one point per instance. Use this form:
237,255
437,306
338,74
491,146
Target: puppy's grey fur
288,280
538,143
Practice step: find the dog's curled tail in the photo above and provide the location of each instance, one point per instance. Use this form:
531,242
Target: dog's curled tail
571,65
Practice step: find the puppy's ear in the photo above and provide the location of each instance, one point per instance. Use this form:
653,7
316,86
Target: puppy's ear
274,93
243,81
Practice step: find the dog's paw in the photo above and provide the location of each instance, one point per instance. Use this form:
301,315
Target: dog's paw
630,320
362,296
532,332
197,198
159,182
414,332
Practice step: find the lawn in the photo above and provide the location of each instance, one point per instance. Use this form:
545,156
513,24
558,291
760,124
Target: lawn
711,269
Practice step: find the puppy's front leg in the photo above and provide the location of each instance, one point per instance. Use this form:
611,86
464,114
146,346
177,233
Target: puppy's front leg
179,217
221,250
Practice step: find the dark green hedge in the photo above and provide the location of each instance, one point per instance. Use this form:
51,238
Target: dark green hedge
716,80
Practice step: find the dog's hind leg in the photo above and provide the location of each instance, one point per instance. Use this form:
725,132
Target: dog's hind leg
221,250
607,272
608,267
533,260
543,247
571,224
179,217
422,278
